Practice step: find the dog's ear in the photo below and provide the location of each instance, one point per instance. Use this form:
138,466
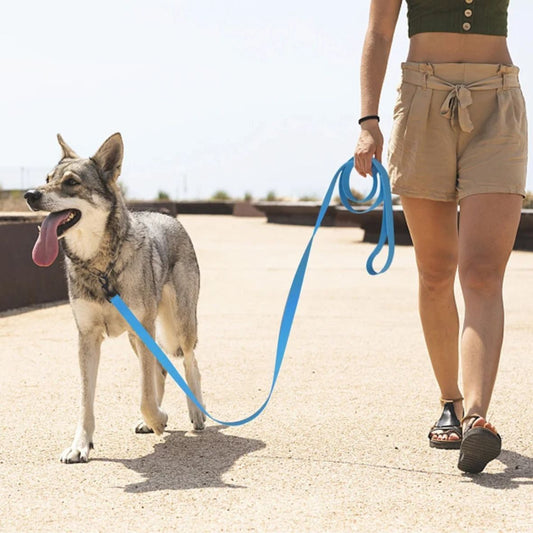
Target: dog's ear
109,157
68,152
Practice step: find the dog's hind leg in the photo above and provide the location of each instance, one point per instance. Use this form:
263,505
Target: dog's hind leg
192,375
160,377
187,339
178,334
89,357
153,417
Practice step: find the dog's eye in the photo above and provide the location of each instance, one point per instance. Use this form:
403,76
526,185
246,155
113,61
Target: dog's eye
71,182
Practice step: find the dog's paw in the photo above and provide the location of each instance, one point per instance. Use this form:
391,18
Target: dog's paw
155,420
143,427
76,454
197,417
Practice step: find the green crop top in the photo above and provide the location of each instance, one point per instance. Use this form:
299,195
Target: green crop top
488,17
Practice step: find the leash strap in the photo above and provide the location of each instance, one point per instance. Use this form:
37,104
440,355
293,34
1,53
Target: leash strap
381,187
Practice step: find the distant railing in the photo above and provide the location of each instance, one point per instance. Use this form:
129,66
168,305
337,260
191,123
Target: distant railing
22,178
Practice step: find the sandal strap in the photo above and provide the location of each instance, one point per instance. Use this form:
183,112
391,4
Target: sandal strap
448,418
473,417
448,430
448,422
445,401
468,417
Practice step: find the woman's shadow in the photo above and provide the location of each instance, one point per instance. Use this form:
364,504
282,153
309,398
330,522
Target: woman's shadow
518,471
189,460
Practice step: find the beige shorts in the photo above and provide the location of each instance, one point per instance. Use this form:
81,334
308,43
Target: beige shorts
459,129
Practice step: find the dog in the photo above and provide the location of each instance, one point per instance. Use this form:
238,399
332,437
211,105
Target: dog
147,258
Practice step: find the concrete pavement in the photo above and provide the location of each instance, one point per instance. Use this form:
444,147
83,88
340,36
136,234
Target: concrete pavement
341,447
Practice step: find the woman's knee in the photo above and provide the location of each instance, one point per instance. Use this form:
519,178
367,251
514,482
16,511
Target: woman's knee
482,278
437,276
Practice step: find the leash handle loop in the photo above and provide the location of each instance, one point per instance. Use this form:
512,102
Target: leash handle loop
380,186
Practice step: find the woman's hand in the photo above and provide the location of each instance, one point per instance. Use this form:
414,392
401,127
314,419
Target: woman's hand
370,144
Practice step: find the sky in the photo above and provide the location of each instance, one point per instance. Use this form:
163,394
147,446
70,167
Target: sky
241,96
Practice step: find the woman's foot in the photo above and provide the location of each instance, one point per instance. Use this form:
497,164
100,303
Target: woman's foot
480,422
481,444
447,432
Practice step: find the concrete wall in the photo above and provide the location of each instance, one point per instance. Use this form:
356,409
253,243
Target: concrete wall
22,283
305,213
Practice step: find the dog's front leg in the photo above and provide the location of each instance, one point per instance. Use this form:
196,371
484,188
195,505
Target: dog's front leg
153,417
89,357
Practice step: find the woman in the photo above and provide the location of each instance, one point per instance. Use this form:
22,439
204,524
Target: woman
459,138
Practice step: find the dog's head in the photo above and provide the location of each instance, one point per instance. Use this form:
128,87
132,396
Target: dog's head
78,194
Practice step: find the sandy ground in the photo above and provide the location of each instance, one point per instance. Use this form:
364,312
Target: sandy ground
341,447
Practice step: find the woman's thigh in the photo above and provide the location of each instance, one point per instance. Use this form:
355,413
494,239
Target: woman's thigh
433,228
487,231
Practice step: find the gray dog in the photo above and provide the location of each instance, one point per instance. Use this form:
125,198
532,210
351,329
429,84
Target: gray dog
147,258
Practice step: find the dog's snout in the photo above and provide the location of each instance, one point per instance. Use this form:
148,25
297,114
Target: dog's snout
33,196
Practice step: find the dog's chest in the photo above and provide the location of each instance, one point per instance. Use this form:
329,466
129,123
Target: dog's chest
91,316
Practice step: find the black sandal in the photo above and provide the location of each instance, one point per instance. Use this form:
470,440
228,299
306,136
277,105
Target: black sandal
480,446
448,424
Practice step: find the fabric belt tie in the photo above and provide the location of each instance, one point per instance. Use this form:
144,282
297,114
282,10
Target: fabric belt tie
455,105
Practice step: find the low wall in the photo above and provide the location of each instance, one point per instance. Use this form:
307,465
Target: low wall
524,237
169,208
22,282
305,213
297,213
197,207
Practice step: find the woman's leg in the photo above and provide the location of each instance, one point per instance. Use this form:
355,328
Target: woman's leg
487,231
433,228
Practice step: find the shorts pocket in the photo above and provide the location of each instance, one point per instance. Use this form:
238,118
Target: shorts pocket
406,92
409,123
415,127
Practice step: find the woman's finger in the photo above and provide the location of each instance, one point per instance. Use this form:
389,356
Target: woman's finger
361,164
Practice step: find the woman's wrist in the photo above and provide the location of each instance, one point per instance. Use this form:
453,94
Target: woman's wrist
367,118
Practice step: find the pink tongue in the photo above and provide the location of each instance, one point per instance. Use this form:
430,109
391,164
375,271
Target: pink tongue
47,246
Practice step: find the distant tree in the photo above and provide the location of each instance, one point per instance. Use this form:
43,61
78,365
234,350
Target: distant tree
356,194
123,189
247,197
271,196
221,196
163,196
308,198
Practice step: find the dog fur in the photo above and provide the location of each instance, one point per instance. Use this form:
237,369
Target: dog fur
153,268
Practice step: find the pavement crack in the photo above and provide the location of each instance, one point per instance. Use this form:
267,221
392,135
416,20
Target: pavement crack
346,462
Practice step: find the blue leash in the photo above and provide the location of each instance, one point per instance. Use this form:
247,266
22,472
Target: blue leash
381,187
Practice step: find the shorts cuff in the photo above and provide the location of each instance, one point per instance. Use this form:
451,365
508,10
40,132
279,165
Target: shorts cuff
461,195
427,195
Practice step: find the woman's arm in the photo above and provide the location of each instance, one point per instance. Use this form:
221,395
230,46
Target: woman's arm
376,49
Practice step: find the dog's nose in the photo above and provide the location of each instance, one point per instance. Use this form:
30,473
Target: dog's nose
32,196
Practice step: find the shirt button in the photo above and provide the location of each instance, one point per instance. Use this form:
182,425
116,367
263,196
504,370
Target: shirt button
469,1
467,26
468,12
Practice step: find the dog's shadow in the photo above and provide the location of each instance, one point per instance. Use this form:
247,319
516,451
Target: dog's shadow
189,460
